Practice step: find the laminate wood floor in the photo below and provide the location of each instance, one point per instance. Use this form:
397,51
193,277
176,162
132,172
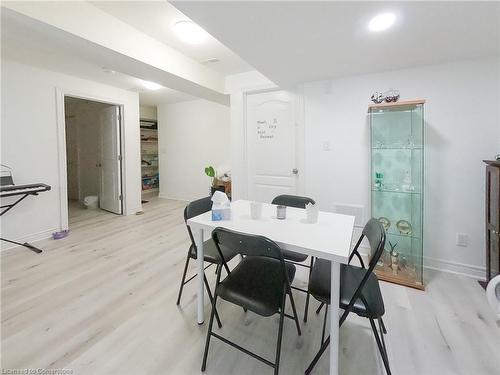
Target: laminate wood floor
102,301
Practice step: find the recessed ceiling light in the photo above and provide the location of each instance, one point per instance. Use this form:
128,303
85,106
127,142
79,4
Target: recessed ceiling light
150,85
190,32
382,22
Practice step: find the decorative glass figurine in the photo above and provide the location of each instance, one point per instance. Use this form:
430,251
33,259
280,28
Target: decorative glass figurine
379,178
397,187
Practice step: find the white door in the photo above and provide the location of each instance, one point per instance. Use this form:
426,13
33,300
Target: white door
271,156
111,187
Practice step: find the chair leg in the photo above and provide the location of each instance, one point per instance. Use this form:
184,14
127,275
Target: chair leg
226,268
182,281
306,308
381,321
382,332
211,299
308,294
280,335
296,317
324,326
318,356
319,308
209,333
380,347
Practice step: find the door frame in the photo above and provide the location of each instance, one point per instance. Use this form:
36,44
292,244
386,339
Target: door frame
62,152
298,115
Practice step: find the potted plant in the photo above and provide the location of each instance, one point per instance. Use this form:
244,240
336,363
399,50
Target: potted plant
394,258
214,182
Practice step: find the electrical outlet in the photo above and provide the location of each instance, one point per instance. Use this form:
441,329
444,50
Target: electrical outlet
462,239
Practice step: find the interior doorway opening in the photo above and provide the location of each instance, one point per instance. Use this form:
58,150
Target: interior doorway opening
93,157
150,177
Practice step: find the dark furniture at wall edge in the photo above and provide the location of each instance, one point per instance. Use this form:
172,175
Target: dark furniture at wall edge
492,216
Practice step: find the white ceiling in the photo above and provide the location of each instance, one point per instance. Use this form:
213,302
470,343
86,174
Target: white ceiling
156,19
31,43
294,42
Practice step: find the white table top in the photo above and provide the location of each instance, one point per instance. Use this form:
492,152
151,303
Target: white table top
329,238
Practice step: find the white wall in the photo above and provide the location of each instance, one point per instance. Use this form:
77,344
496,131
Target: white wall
30,145
192,135
462,127
148,112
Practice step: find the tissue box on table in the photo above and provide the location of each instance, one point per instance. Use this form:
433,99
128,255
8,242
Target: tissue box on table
221,207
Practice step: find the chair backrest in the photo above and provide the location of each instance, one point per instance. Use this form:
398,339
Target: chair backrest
375,234
249,245
196,208
292,201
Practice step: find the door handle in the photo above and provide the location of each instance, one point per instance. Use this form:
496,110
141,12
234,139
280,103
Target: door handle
295,171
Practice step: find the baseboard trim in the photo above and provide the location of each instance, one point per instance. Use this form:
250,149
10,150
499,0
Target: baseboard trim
35,237
474,272
442,265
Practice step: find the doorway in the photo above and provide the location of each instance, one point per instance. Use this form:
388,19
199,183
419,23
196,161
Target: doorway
93,157
272,167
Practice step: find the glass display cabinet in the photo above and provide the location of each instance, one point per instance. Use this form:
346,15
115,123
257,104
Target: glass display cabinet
397,188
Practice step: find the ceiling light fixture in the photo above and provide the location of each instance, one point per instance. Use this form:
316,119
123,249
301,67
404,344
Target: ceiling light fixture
150,85
382,22
190,32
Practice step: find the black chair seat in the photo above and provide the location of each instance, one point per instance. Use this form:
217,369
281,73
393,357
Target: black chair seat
350,278
210,252
256,284
293,256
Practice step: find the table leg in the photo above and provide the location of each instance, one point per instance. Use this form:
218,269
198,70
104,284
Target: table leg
334,318
198,239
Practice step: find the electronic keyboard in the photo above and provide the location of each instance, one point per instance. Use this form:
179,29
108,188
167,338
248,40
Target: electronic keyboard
30,189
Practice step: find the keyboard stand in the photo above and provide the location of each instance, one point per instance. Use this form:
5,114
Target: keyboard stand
23,191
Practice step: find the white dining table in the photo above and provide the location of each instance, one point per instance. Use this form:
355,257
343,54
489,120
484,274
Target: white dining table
329,238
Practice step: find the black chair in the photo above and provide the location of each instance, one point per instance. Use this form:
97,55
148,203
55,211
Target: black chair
259,283
359,290
210,252
292,256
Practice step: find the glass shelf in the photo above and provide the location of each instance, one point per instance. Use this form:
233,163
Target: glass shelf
395,191
397,148
389,233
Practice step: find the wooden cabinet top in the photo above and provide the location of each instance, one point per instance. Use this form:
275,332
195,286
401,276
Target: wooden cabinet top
494,163
402,103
